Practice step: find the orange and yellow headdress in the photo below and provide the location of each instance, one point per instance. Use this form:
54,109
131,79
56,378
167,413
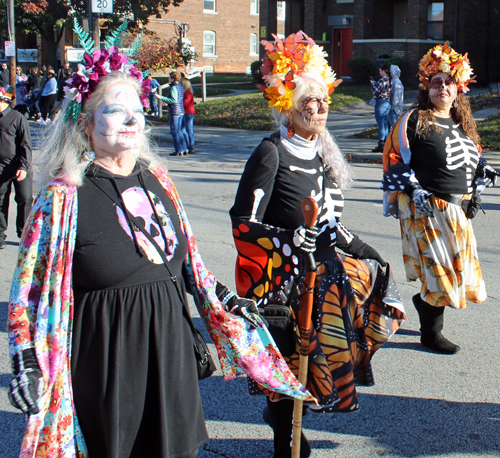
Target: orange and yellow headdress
443,58
284,60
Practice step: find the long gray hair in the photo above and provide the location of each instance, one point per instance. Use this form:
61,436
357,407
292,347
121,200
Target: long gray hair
334,161
64,142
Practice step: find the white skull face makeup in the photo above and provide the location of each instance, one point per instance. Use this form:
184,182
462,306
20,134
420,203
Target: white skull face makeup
311,112
443,90
118,121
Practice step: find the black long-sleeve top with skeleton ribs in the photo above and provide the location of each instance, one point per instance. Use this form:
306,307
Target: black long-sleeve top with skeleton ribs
444,161
272,188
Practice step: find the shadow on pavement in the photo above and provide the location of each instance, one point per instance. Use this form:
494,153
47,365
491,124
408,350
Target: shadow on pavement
401,426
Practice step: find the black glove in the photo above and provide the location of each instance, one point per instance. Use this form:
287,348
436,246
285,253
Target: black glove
237,305
27,384
304,238
371,253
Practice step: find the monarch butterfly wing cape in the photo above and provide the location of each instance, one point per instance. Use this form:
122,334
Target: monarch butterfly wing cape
267,260
396,163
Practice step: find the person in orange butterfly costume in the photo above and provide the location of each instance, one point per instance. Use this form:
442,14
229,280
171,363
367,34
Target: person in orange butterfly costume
433,174
356,305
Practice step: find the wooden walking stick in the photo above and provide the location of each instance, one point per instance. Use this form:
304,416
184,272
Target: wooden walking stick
310,211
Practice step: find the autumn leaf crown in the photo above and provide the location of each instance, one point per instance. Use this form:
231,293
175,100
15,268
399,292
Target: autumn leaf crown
287,58
443,58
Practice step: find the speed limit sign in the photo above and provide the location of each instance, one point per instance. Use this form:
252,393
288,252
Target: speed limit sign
102,6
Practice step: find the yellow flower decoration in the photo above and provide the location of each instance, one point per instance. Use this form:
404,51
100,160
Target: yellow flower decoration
443,58
284,60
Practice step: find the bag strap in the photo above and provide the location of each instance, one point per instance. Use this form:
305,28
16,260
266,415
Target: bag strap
154,243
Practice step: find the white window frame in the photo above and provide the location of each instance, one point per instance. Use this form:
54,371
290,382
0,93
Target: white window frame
254,7
254,46
429,18
214,35
212,10
280,11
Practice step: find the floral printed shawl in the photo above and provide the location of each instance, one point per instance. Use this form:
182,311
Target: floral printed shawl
41,316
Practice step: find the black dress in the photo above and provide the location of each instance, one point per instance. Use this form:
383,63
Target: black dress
133,369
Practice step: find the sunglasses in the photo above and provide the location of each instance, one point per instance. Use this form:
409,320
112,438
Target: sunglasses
438,82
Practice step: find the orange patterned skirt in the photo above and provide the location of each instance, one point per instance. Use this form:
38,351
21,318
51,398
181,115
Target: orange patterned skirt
441,251
356,309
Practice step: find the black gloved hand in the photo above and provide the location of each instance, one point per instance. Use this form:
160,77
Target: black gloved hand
27,384
237,305
304,238
371,253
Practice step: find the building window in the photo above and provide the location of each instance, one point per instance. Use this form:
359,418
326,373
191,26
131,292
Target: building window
281,11
208,43
209,6
435,17
253,44
254,6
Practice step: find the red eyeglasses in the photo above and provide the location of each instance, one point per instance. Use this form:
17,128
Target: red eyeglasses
438,82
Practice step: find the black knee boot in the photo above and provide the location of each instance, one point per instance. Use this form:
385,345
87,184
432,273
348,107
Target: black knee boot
280,416
431,325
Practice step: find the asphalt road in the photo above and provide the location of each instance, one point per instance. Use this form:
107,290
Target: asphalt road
423,404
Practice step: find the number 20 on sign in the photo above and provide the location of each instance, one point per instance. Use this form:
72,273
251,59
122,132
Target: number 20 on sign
102,6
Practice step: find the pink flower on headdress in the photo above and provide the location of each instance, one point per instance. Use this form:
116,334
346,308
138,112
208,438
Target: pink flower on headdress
116,60
145,90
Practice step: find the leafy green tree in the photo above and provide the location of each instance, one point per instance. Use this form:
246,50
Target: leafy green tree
48,18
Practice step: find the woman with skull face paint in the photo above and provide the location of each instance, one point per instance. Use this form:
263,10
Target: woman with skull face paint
354,294
100,340
433,174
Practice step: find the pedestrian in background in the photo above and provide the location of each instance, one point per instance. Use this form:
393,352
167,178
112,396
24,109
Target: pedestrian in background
153,102
4,75
15,163
175,100
21,83
381,90
189,114
63,75
33,80
397,96
48,96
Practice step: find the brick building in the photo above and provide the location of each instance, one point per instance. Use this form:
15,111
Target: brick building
379,29
225,33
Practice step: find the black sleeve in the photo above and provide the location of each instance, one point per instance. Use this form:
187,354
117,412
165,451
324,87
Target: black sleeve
351,244
23,144
412,127
257,182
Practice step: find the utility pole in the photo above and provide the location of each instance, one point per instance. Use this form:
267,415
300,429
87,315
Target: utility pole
94,26
12,37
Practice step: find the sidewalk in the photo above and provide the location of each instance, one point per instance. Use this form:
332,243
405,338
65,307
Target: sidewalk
341,125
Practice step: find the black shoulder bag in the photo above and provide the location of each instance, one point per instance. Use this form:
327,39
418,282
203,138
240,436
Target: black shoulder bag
204,361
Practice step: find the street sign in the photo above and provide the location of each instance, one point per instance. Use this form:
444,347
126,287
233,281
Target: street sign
10,48
102,6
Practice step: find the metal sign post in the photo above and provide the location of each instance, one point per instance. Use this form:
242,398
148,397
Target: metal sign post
102,6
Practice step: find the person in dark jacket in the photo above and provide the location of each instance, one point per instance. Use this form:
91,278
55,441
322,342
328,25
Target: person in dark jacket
15,162
4,75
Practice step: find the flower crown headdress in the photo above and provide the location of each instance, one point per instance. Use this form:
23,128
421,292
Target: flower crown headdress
284,60
443,58
97,63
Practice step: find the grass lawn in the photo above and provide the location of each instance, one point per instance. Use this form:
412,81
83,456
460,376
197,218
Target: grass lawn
489,130
251,111
210,79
